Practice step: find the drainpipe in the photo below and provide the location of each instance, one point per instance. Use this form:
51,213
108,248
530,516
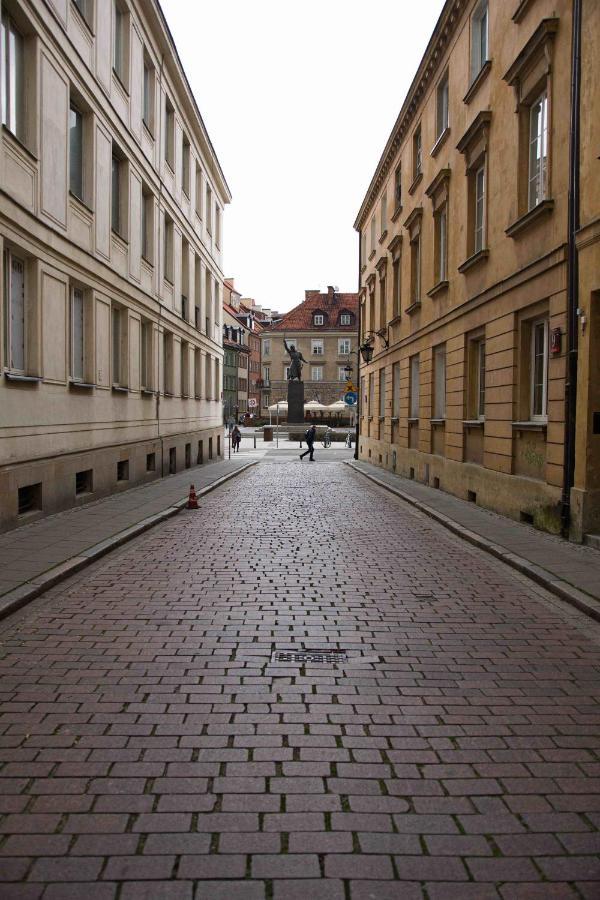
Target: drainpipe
572,274
358,398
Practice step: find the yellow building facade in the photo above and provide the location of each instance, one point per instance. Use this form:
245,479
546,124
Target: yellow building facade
464,262
111,231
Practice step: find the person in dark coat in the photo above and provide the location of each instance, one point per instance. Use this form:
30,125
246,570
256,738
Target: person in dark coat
309,437
236,439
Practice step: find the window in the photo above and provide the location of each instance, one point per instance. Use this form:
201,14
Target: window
267,374
415,269
479,38
13,83
316,373
318,319
75,152
316,347
120,42
382,301
344,346
363,395
184,307
218,226
371,324
363,247
417,154
396,390
396,287
538,151
383,213
198,191
84,483
14,312
414,387
208,209
371,393
169,134
84,8
29,498
373,236
342,373
345,319
168,363
539,370
118,195
184,365
148,89
185,166
398,187
479,209
147,224
77,334
441,244
197,373
123,470
439,382
480,383
117,350
146,380
266,347
381,393
168,250
442,109
150,462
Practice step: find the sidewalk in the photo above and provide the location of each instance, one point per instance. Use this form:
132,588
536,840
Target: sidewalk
571,571
35,556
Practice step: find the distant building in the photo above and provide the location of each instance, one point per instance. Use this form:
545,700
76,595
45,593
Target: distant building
324,327
235,342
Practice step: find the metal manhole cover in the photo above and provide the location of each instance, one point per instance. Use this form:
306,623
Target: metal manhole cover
309,656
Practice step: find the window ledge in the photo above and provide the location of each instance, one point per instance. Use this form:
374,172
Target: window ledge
396,213
478,81
440,141
80,202
437,421
147,392
438,288
413,307
395,420
396,319
168,394
82,18
416,181
81,385
530,426
13,137
120,81
119,389
197,397
473,260
363,268
473,423
412,419
520,11
148,262
369,418
371,254
27,379
147,130
381,418
383,236
532,215
120,238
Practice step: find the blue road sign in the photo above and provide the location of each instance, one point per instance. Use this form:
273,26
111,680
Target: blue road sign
350,398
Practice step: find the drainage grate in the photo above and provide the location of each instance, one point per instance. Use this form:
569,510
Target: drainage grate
309,656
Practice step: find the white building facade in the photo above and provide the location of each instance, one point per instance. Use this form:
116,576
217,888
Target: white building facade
111,226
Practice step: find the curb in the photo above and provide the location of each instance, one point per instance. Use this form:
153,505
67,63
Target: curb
29,590
582,601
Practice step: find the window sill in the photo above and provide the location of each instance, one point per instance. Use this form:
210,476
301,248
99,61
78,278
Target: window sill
148,262
520,11
147,392
371,255
532,215
416,305
381,419
478,81
435,422
20,144
440,141
473,260
530,426
473,423
167,394
120,81
396,213
369,418
120,238
395,420
81,18
416,181
81,385
412,420
119,389
26,379
397,318
438,288
81,202
383,236
363,268
148,130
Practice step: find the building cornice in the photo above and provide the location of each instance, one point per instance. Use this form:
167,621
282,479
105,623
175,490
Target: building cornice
430,63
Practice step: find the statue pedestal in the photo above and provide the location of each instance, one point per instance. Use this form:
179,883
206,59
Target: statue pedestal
295,397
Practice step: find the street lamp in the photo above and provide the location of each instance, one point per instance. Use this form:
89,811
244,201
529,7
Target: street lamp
348,370
366,349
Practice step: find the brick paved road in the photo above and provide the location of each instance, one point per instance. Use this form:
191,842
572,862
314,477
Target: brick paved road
151,750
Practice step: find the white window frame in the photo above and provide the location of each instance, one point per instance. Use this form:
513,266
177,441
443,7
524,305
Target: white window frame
15,316
266,347
267,374
439,382
316,373
342,373
317,347
537,181
414,387
344,346
479,216
77,349
319,319
480,49
442,112
345,319
12,56
543,415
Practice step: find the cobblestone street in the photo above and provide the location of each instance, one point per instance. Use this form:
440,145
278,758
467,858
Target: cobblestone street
152,748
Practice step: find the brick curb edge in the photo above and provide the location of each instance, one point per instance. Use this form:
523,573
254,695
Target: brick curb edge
20,596
584,602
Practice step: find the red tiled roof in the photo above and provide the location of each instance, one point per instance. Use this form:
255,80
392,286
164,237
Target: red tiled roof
331,304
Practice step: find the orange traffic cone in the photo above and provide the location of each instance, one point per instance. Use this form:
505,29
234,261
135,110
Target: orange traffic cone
192,499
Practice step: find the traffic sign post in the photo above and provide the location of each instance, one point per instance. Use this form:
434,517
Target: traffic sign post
350,398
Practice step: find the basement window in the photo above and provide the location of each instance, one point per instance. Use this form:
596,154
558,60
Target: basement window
84,482
30,498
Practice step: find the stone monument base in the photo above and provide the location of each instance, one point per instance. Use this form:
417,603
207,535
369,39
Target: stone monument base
295,397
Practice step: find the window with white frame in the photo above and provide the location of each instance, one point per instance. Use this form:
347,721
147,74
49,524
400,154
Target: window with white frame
538,150
318,319
479,208
344,346
317,347
441,244
382,393
148,91
442,106
316,373
267,374
266,347
218,226
342,373
539,370
396,390
345,319
14,312
479,38
417,153
414,387
77,334
439,382
13,77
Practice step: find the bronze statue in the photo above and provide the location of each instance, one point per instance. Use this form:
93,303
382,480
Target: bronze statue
296,360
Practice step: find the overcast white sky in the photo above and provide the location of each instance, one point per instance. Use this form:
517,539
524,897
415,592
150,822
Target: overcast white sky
299,99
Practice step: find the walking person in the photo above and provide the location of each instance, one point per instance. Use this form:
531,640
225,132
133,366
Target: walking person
309,437
236,439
